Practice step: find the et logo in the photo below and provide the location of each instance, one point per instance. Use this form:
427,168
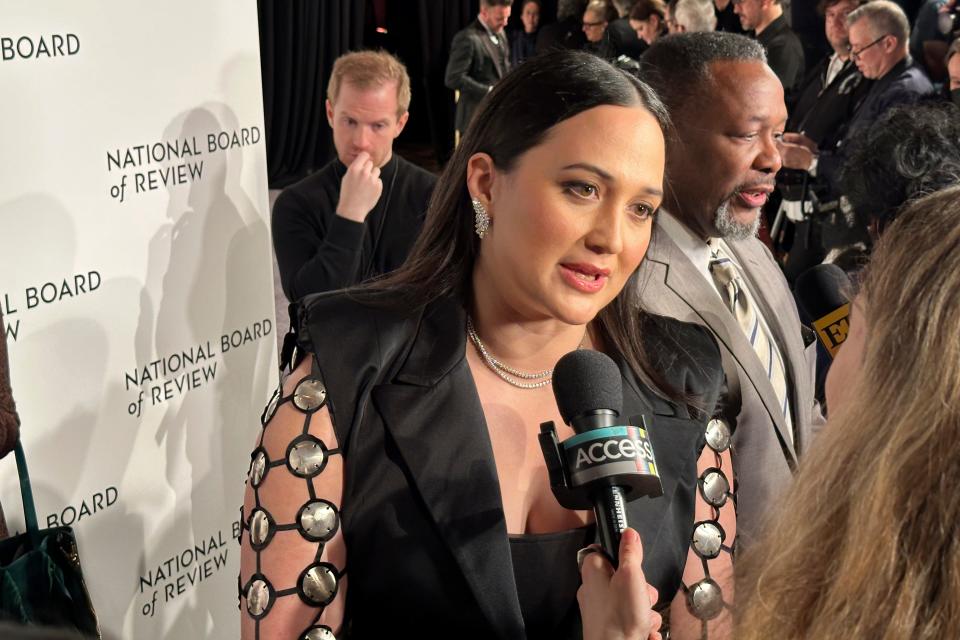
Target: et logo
833,329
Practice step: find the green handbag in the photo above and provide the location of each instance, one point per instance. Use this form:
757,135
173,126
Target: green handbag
40,578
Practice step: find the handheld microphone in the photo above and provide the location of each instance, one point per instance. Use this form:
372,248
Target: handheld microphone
820,291
609,461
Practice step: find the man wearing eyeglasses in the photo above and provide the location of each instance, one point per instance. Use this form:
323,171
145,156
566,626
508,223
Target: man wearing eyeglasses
596,18
879,35
827,100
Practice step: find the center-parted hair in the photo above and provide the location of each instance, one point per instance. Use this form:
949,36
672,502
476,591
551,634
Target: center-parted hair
677,67
512,119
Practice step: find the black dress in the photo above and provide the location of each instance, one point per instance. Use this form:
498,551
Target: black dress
422,516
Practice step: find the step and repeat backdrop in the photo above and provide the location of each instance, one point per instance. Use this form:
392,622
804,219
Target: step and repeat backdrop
136,283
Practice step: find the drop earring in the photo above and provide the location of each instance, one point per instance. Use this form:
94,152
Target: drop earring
481,218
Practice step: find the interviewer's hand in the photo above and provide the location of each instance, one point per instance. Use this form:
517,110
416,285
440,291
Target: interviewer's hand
616,605
360,189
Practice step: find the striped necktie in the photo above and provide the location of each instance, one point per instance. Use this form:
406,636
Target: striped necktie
734,292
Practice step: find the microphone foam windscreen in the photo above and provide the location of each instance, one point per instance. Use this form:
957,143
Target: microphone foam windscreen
821,289
584,381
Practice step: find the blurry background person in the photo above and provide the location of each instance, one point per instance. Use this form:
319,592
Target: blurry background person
567,31
953,71
694,15
623,37
764,20
867,541
878,32
727,18
825,105
523,41
909,152
596,18
648,19
358,216
479,57
928,44
438,376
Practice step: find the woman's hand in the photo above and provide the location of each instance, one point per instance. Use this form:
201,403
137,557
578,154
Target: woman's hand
616,604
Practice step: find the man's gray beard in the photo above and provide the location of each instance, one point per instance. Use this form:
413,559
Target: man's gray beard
729,228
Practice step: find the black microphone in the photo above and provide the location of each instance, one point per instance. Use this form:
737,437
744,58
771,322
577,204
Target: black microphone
820,290
609,461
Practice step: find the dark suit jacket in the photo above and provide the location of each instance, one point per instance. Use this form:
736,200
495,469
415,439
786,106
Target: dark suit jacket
624,40
906,83
822,110
763,454
784,52
428,552
475,65
565,34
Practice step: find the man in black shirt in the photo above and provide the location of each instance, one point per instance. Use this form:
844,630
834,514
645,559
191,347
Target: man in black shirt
727,19
784,50
358,216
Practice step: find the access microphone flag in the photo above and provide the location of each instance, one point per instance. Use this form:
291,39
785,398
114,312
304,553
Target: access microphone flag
609,461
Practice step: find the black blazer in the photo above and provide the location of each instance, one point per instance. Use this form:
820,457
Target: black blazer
784,53
422,516
475,64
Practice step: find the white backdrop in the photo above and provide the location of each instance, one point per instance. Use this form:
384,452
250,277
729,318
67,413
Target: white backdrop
135,277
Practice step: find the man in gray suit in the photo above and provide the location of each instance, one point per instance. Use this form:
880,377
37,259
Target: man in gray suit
479,57
705,264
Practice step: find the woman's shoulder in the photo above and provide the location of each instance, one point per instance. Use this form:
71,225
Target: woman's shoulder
353,325
686,353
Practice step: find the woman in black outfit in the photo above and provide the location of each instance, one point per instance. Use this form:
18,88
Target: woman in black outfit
398,488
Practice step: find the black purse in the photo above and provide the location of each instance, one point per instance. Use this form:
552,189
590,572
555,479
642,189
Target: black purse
40,578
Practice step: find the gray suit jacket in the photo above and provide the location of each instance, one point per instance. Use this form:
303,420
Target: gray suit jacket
764,456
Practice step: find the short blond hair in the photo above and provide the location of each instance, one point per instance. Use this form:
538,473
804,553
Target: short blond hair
369,69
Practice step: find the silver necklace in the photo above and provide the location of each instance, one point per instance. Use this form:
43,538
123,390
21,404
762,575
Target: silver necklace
505,372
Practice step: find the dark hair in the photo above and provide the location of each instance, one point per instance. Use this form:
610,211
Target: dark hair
678,66
512,119
646,8
496,3
909,152
571,8
823,5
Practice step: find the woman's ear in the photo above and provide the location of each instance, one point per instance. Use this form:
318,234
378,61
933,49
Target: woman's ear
481,175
